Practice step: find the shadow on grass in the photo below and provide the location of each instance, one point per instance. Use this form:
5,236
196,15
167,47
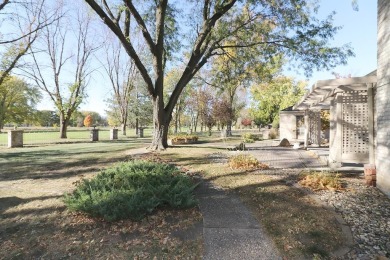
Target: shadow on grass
59,161
55,170
9,202
204,147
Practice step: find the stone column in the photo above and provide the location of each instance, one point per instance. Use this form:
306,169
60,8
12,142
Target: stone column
315,127
94,135
318,113
336,137
332,131
339,130
15,138
371,140
288,125
140,132
113,134
383,98
307,129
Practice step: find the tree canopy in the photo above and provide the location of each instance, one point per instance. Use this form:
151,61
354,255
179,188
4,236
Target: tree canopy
208,28
271,97
17,101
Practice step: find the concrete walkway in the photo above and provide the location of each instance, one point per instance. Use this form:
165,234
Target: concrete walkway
229,229
287,158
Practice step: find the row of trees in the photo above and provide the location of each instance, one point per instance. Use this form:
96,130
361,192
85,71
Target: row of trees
37,42
228,44
208,29
21,113
199,107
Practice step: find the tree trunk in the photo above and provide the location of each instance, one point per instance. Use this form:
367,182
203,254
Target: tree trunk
176,122
195,123
161,120
123,128
1,122
179,120
136,126
229,128
63,126
2,113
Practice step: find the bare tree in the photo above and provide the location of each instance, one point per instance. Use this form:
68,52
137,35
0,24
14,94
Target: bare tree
20,23
122,74
51,76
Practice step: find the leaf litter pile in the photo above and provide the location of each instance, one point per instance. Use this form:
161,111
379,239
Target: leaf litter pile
322,181
64,235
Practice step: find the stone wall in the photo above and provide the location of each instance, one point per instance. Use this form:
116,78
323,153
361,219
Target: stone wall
288,124
383,98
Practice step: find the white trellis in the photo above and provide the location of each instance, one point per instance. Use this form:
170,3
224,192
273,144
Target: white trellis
355,136
351,105
314,127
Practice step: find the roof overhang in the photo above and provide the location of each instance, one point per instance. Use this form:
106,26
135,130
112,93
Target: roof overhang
323,91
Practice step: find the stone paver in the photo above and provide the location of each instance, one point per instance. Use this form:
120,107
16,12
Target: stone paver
286,158
229,229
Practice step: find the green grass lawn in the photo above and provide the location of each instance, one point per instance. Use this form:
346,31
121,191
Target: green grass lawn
45,136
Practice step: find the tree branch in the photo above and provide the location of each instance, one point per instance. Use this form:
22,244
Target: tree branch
126,44
142,25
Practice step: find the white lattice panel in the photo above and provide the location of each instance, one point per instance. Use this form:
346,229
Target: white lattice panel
314,124
355,137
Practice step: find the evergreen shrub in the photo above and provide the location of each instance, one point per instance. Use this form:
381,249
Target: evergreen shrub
132,190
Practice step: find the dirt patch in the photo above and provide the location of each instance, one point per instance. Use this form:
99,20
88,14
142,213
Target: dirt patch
55,234
34,222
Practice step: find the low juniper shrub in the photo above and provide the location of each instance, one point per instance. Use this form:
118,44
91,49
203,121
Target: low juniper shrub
132,190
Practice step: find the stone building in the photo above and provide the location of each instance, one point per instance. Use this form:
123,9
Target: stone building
382,158
359,112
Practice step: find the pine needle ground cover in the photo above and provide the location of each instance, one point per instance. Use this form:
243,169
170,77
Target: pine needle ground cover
132,190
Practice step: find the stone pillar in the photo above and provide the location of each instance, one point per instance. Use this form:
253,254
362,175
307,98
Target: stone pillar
307,129
335,135
332,131
113,134
315,128
371,139
94,135
15,138
265,133
318,114
288,125
140,132
383,98
338,142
